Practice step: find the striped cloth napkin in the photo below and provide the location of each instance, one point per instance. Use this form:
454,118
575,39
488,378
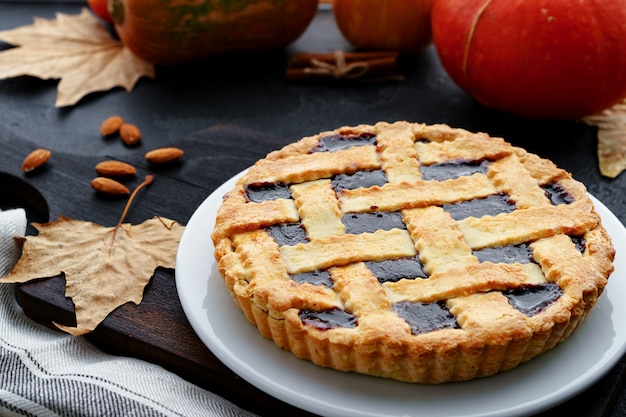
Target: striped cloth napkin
45,373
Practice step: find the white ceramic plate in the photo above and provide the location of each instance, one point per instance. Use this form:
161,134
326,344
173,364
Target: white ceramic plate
542,383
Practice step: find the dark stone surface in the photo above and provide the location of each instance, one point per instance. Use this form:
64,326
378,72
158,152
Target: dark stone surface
251,91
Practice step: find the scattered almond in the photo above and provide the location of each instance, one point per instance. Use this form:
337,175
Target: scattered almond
35,159
130,134
109,186
111,125
164,155
115,169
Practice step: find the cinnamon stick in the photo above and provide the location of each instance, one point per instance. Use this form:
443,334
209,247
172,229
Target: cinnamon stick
303,59
359,66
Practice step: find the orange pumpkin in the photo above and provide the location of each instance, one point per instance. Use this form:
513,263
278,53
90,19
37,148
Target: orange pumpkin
544,59
100,9
166,32
399,25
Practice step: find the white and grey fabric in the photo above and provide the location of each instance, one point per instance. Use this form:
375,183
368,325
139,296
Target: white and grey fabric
44,373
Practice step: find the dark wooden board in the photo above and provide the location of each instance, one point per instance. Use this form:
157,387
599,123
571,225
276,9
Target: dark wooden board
157,330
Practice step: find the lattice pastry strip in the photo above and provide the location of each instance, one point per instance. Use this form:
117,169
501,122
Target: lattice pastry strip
359,290
529,224
417,295
489,313
393,197
236,214
438,240
318,208
569,270
597,252
398,156
429,133
459,282
545,171
341,250
511,177
463,147
301,168
272,287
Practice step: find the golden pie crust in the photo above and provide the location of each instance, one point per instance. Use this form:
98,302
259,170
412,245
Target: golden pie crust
489,334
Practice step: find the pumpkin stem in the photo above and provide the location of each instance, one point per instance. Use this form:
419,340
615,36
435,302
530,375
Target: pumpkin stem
116,10
470,35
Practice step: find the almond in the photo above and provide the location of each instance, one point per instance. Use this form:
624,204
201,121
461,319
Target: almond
130,134
35,159
115,169
108,186
111,125
164,155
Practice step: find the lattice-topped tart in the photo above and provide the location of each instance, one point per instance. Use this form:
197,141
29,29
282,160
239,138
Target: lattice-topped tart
415,252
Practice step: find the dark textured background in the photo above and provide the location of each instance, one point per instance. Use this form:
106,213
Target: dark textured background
251,92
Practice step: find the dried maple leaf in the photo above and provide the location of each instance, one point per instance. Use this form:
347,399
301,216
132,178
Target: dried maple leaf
104,267
611,124
78,50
